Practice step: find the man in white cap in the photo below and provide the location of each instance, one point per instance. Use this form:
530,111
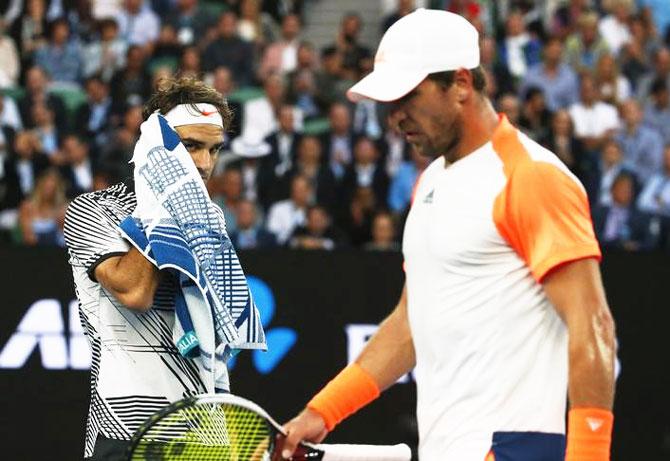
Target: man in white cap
503,309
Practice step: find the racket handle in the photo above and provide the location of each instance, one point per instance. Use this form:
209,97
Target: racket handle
336,452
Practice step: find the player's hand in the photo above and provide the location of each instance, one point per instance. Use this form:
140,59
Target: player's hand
308,425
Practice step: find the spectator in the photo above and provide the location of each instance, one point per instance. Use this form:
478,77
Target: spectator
282,56
593,119
621,225
9,60
566,17
79,14
309,165
318,233
254,26
249,234
556,79
7,134
499,79
635,56
47,133
20,172
383,234
32,30
222,81
657,110
131,85
585,47
305,62
402,184
106,55
394,148
78,169
42,214
279,9
562,141
519,50
93,117
116,154
9,113
658,11
286,215
365,171
367,116
655,196
642,146
229,50
189,63
614,27
138,25
331,80
167,49
60,57
404,8
189,21
614,88
304,94
338,142
535,118
509,105
661,72
611,164
358,220
283,146
226,191
348,45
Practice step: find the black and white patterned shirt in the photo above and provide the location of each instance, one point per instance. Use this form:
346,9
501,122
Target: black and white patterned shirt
136,368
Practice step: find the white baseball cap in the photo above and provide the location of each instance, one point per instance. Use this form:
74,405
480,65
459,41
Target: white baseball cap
416,45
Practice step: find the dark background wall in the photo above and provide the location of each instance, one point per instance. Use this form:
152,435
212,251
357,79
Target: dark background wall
317,295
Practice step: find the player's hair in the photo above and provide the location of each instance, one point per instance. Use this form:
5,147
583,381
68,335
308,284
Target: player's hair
447,78
186,90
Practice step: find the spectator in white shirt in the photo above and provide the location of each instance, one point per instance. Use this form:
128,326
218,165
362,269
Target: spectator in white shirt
593,119
285,216
138,24
614,27
655,196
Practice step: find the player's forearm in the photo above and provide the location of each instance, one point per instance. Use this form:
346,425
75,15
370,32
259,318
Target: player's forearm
131,279
390,352
591,361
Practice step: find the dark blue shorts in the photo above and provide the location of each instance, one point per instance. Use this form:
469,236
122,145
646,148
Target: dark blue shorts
527,446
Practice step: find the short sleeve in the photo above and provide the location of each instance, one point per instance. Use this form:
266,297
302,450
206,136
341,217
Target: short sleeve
544,215
90,234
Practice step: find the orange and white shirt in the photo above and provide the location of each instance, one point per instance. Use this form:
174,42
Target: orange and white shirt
491,350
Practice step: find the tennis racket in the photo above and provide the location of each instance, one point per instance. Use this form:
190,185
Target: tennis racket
224,427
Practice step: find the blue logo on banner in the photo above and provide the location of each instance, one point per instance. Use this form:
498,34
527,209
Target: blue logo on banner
280,340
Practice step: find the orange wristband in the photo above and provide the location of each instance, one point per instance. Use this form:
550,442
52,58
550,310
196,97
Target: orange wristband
350,390
589,434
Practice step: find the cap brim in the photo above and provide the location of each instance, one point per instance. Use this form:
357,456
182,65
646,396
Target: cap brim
385,85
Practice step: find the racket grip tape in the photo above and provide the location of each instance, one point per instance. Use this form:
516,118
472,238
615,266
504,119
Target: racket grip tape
336,452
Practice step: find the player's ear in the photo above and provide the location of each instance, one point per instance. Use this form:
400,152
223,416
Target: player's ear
463,83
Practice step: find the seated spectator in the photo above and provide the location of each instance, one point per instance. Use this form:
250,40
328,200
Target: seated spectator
655,196
331,79
610,165
510,105
535,118
404,8
357,220
283,146
347,43
614,27
79,14
249,235
131,85
593,119
61,56
7,134
225,190
614,88
308,164
561,141
42,214
77,172
499,79
635,56
621,225
189,21
118,151
304,94
189,63
642,146
138,24
92,118
254,25
394,148
260,115
230,51
305,62
367,119
318,232
31,33
383,234
556,79
566,17
36,93
518,49
661,71
9,60
21,171
281,57
657,110
9,113
402,184
338,142
286,215
167,47
222,81
585,47
47,133
106,55
365,171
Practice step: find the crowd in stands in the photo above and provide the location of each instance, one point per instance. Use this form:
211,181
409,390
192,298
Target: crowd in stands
303,167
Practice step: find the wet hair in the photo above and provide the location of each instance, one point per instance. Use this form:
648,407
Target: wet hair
172,92
447,78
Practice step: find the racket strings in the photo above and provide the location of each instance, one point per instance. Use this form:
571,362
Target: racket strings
208,431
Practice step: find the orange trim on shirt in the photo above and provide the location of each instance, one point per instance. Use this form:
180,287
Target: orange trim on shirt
542,212
490,456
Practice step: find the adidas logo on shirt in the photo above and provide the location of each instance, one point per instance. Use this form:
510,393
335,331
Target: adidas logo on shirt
429,197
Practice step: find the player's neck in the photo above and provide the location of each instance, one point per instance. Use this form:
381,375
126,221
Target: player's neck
482,121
